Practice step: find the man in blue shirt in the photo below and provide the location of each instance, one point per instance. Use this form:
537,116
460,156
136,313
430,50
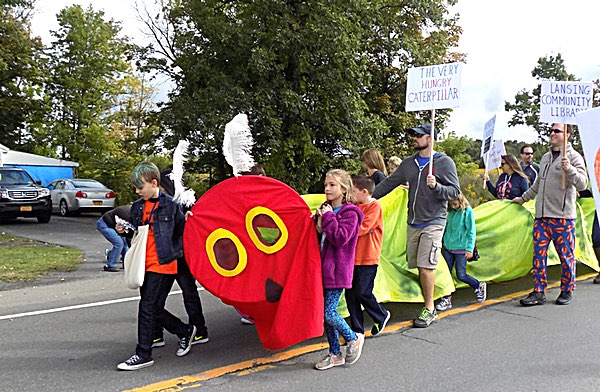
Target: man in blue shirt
530,168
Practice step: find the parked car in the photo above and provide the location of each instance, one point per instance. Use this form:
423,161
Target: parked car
72,196
21,196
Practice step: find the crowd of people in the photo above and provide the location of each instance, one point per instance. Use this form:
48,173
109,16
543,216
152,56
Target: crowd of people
349,224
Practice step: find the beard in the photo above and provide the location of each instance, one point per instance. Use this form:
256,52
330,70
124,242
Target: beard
419,147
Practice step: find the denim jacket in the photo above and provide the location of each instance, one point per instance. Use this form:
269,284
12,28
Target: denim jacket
167,224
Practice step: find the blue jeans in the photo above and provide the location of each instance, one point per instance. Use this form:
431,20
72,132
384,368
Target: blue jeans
461,268
335,325
119,243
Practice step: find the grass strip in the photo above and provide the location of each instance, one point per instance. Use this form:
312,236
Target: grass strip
25,260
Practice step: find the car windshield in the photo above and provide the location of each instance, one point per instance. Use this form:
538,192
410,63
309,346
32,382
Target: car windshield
90,184
15,177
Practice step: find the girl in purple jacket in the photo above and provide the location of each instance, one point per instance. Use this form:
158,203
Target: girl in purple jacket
338,221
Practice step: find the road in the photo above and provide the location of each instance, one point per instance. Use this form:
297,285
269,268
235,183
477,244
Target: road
499,346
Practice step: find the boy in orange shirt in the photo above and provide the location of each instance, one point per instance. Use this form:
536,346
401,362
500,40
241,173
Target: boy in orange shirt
164,247
368,253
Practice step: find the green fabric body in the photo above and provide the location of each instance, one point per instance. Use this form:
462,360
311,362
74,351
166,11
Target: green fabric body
504,240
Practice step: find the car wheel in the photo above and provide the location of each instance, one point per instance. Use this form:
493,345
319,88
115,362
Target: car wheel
63,209
43,218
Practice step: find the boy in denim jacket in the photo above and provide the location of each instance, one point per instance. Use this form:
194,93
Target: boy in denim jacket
163,248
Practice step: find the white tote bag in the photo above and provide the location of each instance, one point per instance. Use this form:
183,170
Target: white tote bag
135,259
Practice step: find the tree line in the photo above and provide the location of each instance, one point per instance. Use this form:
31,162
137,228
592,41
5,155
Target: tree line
320,81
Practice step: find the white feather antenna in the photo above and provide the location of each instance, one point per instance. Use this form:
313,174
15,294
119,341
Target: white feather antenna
237,144
183,196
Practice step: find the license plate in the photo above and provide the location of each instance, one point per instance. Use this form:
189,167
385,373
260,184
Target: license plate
97,202
25,208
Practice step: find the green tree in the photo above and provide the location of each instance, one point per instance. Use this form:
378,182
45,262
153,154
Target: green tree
20,74
86,60
301,71
399,36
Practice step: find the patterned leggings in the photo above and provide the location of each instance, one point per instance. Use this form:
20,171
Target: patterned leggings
562,233
334,323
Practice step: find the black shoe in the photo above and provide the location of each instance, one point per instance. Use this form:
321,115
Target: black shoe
597,279
185,343
110,269
135,362
534,298
564,298
158,342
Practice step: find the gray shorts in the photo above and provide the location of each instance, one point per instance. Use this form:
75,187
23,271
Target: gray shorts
424,246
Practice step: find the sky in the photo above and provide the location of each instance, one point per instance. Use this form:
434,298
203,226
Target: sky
503,41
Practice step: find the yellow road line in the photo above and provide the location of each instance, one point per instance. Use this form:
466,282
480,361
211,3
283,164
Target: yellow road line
260,364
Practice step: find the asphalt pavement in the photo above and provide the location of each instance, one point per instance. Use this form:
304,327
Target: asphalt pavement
69,335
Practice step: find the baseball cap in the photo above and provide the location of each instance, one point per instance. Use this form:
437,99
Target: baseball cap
423,129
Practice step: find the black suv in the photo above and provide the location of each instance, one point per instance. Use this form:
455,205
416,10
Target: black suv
21,196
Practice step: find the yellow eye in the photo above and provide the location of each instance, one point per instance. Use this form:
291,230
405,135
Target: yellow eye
266,229
226,253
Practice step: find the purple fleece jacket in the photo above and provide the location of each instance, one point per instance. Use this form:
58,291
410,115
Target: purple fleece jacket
339,246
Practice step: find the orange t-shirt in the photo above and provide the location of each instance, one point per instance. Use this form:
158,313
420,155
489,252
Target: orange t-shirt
370,234
152,264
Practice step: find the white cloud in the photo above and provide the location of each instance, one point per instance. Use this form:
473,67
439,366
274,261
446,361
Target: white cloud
122,11
503,41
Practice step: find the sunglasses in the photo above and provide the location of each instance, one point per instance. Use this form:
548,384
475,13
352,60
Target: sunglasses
526,153
557,131
417,135
503,163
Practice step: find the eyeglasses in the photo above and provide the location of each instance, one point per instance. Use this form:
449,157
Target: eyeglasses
557,131
526,153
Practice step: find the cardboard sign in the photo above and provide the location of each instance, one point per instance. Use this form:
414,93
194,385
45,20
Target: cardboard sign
561,101
495,155
488,135
433,87
588,123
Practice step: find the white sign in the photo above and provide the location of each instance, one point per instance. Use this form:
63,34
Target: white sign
488,135
433,87
495,155
588,123
561,101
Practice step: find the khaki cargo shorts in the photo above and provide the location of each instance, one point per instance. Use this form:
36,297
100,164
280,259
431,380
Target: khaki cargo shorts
424,246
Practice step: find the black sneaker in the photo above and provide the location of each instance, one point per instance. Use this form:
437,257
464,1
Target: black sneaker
110,269
379,327
534,298
198,338
564,298
185,343
135,362
158,342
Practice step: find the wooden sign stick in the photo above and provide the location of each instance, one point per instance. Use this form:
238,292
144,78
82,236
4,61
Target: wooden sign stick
432,135
564,153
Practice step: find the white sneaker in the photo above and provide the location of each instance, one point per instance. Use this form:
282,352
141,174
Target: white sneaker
354,349
481,292
444,304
